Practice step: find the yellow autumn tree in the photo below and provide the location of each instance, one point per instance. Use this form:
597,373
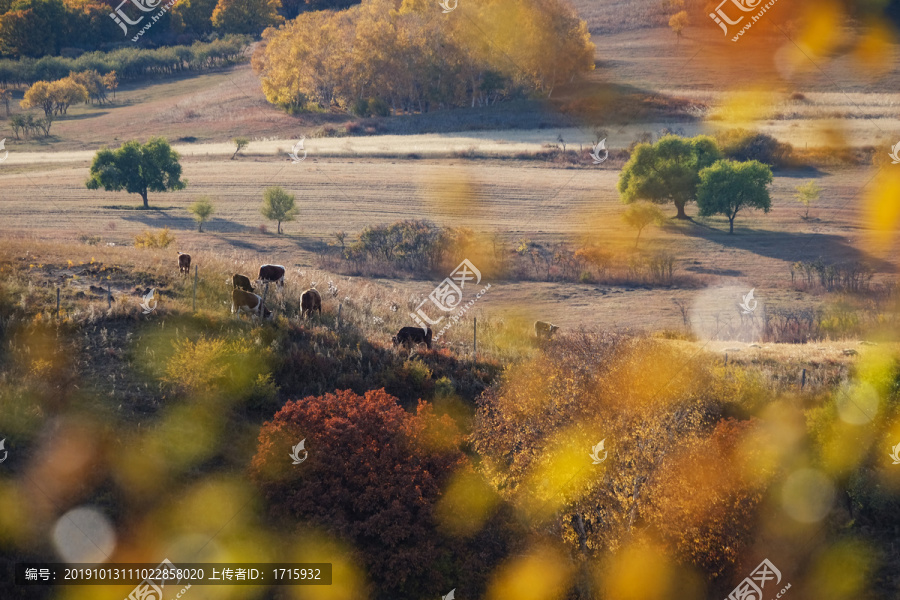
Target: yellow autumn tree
39,95
246,16
402,58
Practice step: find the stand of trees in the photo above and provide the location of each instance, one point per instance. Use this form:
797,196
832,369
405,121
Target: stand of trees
128,63
682,170
410,62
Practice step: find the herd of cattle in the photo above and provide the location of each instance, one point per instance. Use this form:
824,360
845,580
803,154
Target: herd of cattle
244,300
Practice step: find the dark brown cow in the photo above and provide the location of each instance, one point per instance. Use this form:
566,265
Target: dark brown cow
544,330
408,336
241,282
245,302
271,273
184,263
310,301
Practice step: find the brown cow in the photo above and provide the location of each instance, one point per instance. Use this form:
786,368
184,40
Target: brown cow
245,302
241,282
544,330
184,263
310,300
271,273
408,336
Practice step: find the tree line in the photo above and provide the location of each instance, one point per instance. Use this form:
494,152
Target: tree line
128,63
38,28
399,56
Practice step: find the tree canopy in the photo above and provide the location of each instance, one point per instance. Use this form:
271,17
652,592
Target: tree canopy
373,462
137,168
411,62
278,205
667,171
728,186
641,214
246,16
202,210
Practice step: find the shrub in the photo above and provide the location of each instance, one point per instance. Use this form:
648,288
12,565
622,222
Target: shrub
742,145
221,366
373,476
378,107
161,239
657,411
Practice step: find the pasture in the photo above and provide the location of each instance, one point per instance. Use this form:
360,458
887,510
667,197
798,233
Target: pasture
705,408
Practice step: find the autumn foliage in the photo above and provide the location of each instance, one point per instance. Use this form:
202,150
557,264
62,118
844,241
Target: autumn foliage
373,476
397,53
671,468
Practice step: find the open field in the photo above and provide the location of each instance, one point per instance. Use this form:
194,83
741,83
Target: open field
472,461
513,199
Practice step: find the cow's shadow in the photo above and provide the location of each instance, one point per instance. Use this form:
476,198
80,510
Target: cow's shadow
790,245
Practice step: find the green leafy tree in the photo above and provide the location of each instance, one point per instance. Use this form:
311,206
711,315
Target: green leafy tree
728,186
807,193
239,143
202,210
667,171
641,214
137,168
278,205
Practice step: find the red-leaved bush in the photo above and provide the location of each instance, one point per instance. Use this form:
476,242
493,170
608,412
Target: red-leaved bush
372,477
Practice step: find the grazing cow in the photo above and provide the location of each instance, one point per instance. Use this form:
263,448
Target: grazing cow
245,302
271,273
184,263
241,282
407,336
544,330
310,301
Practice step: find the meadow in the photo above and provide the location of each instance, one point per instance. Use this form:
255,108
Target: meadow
733,434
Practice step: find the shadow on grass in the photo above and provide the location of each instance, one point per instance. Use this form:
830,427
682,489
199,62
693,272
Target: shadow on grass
787,245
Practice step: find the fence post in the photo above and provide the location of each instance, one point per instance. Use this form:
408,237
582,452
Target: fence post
340,307
109,296
803,380
57,303
474,339
195,288
726,359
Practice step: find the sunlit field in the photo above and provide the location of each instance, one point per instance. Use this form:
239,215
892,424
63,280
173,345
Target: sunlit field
553,300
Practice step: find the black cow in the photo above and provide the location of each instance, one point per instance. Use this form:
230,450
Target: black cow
271,273
241,282
408,336
310,300
184,263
